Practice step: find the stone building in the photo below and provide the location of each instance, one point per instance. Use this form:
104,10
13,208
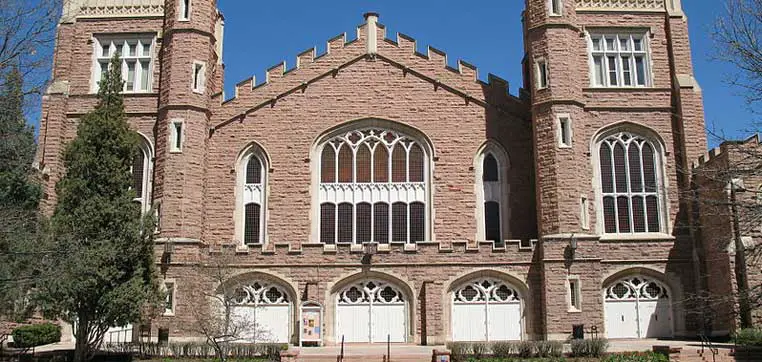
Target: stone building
405,197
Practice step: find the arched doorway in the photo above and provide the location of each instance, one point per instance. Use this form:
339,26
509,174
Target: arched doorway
371,311
264,311
637,307
486,309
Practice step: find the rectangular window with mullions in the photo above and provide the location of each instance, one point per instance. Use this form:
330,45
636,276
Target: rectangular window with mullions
619,60
135,55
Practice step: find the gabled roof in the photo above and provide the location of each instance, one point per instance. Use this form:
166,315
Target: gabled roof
281,81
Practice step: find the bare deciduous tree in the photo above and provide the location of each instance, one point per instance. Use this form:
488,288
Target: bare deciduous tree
215,306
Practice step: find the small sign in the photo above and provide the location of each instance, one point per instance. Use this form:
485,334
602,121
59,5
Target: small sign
311,322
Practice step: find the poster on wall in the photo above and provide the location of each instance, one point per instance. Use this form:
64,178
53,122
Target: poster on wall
311,323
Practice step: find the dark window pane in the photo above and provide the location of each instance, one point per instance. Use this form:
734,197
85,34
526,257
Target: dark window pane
638,214
623,210
381,222
490,168
399,164
380,164
416,164
649,168
620,168
363,164
492,221
138,172
417,222
345,164
328,165
345,223
253,171
399,221
607,181
252,226
636,181
327,223
609,214
363,222
652,207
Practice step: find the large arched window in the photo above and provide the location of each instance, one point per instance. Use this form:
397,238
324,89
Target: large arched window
373,187
252,197
142,166
492,193
631,186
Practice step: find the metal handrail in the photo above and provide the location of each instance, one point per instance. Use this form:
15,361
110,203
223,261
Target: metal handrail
705,342
340,357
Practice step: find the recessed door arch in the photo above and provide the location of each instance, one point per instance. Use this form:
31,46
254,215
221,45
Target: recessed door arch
371,311
638,307
486,309
263,309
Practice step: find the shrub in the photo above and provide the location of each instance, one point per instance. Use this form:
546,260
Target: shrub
589,347
459,350
548,349
744,337
636,357
503,349
479,349
525,349
36,335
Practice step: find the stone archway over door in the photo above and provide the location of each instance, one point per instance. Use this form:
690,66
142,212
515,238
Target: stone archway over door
263,311
486,310
371,311
637,307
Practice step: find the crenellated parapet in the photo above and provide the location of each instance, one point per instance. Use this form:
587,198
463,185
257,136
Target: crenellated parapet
619,5
74,9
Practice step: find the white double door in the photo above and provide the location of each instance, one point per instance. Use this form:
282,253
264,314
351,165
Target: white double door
486,322
638,319
371,323
268,323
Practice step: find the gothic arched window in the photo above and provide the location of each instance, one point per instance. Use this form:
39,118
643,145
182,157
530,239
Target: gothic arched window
252,197
631,184
492,164
142,165
373,188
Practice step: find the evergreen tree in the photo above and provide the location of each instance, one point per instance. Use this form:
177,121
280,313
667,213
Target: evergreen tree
19,198
102,272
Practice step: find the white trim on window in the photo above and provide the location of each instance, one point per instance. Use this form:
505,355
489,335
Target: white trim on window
555,7
644,134
564,130
169,287
177,135
573,294
584,212
619,59
136,53
251,193
184,10
542,78
146,184
198,77
491,191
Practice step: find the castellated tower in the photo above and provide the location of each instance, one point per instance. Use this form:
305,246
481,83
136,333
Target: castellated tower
615,107
191,73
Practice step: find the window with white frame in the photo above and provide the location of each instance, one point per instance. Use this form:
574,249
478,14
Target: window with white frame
252,177
184,10
564,134
177,136
199,77
141,176
136,61
542,74
491,167
373,188
575,295
555,7
631,184
169,298
619,60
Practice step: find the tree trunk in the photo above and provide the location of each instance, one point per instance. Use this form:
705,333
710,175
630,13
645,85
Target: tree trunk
81,353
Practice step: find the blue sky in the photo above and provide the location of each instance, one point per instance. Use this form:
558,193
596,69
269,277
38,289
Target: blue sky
486,33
